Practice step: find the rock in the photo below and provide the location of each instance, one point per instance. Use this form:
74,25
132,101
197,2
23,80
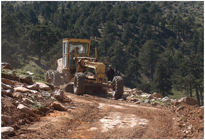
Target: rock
24,109
16,103
59,95
46,94
129,98
176,103
179,108
43,86
138,102
133,99
26,79
6,119
17,95
150,97
58,106
33,87
153,100
173,101
33,91
21,89
166,100
125,96
188,100
7,92
144,95
27,101
138,92
7,81
5,86
5,65
53,98
154,104
7,130
201,112
189,127
157,95
147,101
30,73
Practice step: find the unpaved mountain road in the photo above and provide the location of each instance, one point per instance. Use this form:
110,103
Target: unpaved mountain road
93,117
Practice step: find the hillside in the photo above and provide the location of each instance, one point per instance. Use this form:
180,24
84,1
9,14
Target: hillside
159,44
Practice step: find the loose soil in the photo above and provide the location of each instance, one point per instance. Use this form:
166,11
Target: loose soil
98,117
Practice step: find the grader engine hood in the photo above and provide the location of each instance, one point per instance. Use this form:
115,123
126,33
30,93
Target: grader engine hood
99,67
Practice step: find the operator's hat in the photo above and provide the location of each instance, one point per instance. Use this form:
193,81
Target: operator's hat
110,65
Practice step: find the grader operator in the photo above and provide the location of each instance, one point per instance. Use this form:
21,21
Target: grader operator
73,69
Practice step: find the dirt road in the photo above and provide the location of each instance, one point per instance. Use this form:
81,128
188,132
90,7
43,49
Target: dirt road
93,117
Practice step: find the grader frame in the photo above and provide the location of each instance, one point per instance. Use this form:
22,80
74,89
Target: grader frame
73,69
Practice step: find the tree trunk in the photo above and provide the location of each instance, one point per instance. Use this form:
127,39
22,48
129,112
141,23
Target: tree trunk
201,96
197,95
190,90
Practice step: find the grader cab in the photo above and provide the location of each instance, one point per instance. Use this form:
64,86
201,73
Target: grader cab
80,71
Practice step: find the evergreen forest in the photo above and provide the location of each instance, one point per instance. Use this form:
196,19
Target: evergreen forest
155,46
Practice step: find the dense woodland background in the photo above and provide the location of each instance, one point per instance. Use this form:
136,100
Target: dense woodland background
155,46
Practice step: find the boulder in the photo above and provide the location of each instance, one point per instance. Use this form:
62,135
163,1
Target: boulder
150,97
180,108
7,92
125,96
138,92
17,95
138,102
157,95
166,99
59,95
58,106
147,101
5,86
6,119
176,103
33,87
30,73
24,109
21,89
7,130
27,101
26,79
133,99
144,95
33,91
5,65
188,100
43,86
46,94
154,104
173,101
7,81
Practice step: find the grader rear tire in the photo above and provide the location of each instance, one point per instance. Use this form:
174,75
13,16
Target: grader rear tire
57,79
117,90
79,83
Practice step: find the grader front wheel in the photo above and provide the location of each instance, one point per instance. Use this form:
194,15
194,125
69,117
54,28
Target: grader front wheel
117,90
79,83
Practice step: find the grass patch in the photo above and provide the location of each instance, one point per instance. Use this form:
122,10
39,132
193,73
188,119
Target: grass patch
38,106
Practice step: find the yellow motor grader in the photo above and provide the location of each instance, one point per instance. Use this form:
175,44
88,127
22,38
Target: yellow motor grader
74,69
